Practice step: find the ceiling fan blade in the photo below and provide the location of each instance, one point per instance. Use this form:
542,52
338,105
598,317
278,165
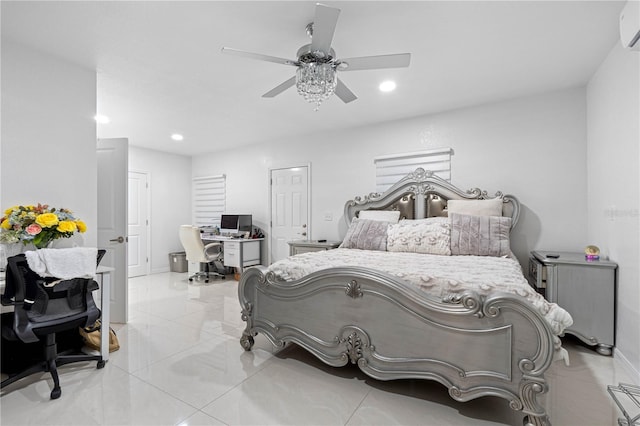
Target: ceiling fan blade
258,56
324,25
344,93
280,88
398,60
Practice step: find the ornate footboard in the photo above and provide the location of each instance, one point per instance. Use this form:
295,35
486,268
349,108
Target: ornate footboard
475,346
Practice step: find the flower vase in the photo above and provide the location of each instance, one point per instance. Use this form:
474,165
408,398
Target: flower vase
55,243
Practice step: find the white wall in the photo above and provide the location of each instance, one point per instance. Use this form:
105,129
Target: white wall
48,134
613,159
170,194
533,148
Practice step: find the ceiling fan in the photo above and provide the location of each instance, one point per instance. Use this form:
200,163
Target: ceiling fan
316,76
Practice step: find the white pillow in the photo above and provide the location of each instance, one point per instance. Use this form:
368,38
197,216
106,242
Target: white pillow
428,236
391,216
492,207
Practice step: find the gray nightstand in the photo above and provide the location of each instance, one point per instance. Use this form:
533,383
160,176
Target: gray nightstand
586,289
305,246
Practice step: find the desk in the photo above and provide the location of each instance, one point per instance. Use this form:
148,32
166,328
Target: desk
238,252
104,275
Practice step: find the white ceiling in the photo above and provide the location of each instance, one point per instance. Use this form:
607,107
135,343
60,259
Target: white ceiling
160,70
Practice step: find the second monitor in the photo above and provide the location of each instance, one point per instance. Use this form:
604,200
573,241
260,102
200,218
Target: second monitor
235,224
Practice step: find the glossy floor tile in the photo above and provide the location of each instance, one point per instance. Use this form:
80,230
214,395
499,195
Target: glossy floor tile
180,363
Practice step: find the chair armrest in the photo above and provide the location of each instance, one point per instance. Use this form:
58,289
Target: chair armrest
210,246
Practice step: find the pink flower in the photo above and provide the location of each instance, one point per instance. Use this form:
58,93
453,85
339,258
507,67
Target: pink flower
34,229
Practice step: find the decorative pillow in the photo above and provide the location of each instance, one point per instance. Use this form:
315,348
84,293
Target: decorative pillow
366,234
480,235
428,236
390,216
492,207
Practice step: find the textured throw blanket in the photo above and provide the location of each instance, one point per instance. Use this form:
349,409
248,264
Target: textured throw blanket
67,263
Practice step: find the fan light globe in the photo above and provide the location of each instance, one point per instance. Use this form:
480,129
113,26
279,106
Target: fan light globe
316,82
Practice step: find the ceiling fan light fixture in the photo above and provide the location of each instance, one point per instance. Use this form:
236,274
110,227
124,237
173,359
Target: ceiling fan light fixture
316,82
317,63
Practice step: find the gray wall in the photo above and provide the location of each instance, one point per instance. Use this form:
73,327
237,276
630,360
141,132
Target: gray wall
533,148
170,200
48,148
613,159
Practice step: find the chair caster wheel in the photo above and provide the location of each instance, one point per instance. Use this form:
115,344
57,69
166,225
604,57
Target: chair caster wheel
55,393
101,364
190,279
223,277
206,281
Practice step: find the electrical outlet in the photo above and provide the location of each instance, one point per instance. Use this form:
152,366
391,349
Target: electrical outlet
328,216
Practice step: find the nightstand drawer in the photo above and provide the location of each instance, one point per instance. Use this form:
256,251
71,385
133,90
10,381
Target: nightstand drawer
537,274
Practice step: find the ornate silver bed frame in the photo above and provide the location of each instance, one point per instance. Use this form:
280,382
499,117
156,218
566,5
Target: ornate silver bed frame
476,346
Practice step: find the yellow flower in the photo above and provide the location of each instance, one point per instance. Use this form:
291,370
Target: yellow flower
47,220
82,227
5,224
10,210
66,226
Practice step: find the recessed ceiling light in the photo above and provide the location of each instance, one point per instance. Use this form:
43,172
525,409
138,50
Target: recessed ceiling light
102,119
387,86
177,137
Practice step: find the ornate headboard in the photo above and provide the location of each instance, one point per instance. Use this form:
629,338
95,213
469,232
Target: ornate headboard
422,194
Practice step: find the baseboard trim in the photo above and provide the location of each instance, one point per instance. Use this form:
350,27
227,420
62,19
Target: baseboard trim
628,367
160,270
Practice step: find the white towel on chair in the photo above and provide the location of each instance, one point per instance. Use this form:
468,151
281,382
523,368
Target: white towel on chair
67,263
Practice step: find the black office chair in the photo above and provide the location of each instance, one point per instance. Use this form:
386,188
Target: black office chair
42,309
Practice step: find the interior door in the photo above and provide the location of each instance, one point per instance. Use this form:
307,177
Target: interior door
289,209
138,224
112,219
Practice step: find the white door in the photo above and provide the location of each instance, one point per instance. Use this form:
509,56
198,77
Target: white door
138,226
289,209
112,219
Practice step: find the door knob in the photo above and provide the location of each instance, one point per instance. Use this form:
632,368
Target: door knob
120,240
304,226
304,234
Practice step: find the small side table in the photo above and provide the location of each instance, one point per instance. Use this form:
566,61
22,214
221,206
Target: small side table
305,246
585,289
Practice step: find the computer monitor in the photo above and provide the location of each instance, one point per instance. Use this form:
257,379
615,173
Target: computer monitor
235,224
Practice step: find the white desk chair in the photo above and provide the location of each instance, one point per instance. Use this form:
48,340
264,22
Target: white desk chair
197,252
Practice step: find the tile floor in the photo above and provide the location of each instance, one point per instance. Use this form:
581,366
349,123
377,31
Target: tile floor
181,363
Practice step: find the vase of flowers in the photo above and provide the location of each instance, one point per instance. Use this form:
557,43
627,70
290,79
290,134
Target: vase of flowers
38,225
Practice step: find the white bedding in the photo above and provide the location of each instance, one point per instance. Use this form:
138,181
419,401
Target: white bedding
438,276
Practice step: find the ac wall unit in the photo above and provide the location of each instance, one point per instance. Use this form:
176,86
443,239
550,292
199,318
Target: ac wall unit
630,25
